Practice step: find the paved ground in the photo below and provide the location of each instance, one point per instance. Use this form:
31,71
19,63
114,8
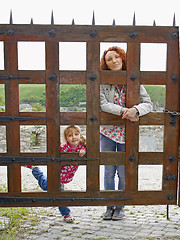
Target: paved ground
140,222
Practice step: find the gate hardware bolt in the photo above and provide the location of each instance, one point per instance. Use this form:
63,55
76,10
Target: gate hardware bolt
93,33
169,197
174,35
132,158
10,32
92,77
52,33
133,35
171,158
174,78
133,77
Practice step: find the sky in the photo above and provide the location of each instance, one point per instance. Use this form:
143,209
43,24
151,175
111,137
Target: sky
146,12
162,11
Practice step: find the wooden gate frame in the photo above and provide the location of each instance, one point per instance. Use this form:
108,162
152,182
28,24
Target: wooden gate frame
52,34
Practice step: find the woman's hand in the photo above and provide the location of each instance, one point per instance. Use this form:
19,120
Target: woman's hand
81,152
130,114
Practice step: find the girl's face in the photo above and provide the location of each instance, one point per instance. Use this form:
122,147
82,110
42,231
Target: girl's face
73,137
113,60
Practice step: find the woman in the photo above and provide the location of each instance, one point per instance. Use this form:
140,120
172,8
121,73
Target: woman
113,100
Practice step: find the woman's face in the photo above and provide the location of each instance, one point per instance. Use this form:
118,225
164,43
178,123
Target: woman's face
113,60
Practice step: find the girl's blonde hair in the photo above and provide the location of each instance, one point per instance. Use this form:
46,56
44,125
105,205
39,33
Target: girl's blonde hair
75,128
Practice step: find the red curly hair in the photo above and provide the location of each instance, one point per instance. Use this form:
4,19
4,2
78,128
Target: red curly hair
118,50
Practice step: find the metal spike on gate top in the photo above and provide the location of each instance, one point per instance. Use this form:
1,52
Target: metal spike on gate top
93,19
11,19
52,18
154,23
134,20
73,23
174,21
114,23
31,21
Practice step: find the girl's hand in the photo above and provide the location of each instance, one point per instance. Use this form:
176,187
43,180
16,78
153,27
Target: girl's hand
81,152
130,114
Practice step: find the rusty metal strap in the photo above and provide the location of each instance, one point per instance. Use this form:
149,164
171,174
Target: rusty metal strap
17,118
9,77
18,159
6,200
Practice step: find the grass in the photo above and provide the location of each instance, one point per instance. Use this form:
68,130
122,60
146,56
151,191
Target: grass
13,225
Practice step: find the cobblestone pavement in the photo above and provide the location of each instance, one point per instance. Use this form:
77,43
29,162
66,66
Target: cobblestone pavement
140,222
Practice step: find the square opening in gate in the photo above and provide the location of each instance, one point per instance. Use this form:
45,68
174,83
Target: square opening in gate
72,56
1,55
151,138
157,94
29,182
31,56
33,138
2,97
72,98
153,56
32,98
3,144
3,179
74,177
150,177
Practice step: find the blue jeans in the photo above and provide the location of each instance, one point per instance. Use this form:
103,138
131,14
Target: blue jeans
107,145
42,181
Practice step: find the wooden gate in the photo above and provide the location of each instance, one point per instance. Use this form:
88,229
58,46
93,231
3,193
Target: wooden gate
52,77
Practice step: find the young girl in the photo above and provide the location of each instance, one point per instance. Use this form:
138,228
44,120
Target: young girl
75,142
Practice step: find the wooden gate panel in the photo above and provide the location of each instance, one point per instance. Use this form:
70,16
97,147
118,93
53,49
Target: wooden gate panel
53,118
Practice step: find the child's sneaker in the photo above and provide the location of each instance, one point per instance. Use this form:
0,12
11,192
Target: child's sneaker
68,218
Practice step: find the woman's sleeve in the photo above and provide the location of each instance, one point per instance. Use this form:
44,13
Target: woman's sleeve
145,106
107,106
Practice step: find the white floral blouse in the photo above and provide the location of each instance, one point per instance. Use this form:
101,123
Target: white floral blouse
116,133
